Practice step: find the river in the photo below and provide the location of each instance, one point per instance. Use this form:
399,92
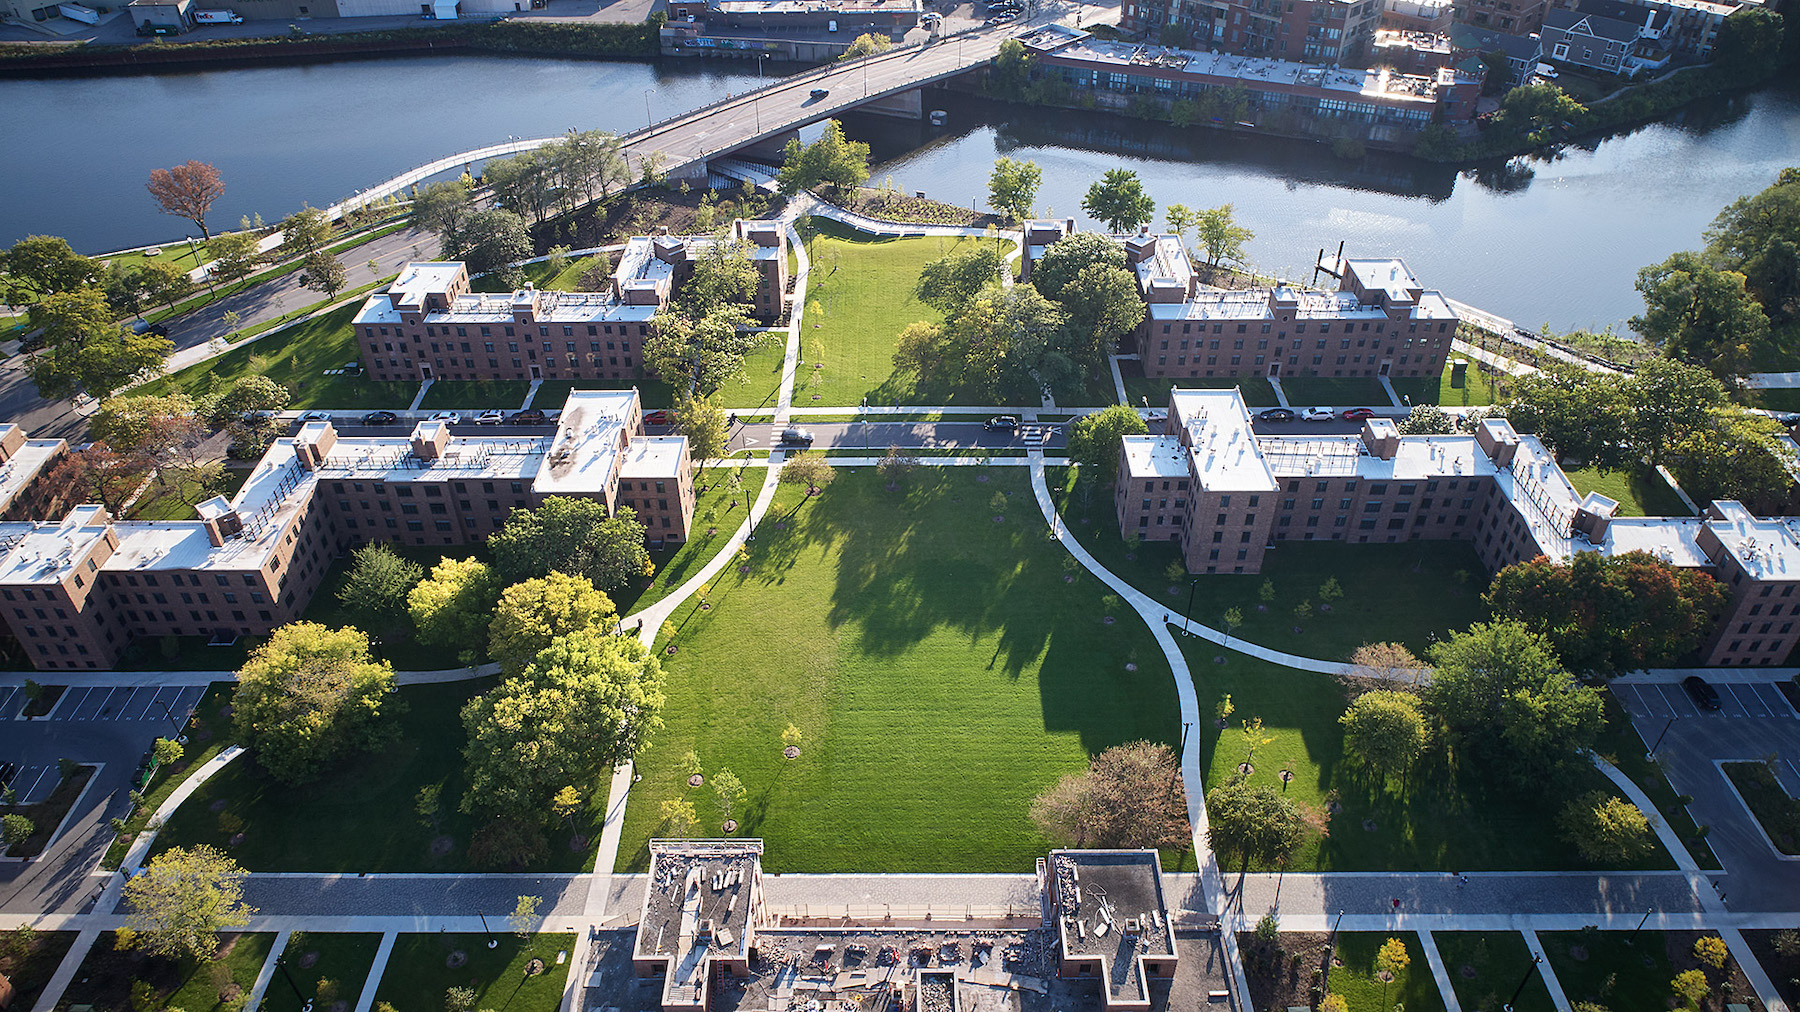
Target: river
1539,241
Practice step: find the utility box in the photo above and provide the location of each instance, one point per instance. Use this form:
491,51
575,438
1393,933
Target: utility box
1459,373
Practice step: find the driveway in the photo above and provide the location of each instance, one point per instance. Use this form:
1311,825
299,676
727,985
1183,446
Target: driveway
1753,721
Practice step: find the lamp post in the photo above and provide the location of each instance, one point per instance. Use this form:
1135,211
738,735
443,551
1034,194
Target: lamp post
756,100
171,718
1640,926
305,1002
1535,960
493,943
1652,753
1193,585
648,120
1334,927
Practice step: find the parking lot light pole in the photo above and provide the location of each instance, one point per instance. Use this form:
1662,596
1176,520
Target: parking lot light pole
493,943
1640,926
1652,753
305,1002
1193,585
170,715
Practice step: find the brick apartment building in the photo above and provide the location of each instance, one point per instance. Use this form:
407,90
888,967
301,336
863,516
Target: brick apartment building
1380,321
1314,31
1227,495
429,325
22,462
75,592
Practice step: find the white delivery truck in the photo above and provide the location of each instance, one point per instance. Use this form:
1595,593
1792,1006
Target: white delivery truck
76,12
218,17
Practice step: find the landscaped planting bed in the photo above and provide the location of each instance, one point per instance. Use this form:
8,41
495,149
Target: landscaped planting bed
1626,970
1776,811
422,967
1284,972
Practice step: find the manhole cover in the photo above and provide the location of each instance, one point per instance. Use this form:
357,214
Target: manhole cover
981,477
1467,971
743,570
1578,953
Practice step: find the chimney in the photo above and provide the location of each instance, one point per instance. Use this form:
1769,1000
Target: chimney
429,440
1382,437
220,520
313,444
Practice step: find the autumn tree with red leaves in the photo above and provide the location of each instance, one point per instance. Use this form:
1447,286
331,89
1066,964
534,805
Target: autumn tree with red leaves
187,191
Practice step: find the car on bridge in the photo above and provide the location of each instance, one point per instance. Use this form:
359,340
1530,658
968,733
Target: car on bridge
818,93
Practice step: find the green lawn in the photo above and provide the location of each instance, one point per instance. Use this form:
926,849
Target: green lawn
858,298
1639,493
1486,966
1611,972
1774,808
1141,390
940,669
178,253
367,804
175,502
106,976
418,971
1408,592
397,646
1435,821
297,358
1336,391
1412,987
1477,388
506,395
540,275
675,565
342,959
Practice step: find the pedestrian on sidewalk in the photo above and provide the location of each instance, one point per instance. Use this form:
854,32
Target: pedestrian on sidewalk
1396,904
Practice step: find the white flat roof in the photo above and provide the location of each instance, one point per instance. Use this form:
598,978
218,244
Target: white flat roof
25,465
1221,444
590,435
422,277
1379,82
1768,549
1155,457
653,457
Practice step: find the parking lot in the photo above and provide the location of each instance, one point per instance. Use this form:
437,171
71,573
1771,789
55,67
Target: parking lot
1662,700
156,711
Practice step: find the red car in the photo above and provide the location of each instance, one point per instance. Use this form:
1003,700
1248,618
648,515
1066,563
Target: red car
1356,414
656,418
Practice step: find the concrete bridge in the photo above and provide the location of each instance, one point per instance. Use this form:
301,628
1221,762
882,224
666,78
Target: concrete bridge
760,122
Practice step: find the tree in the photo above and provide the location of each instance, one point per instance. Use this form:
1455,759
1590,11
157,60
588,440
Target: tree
997,341
1390,961
532,614
1130,795
85,350
1334,1003
1223,237
1536,111
1690,987
676,819
1427,420
1013,186
122,287
1069,256
460,999
95,474
1011,71
1612,613
1119,200
1389,663
1664,400
524,916
1738,455
952,281
1756,235
128,423
1181,219
16,829
322,272
896,465
829,161
40,265
1712,950
164,751
491,242
162,281
575,536
587,703
1256,822
309,696
247,397
867,44
728,792
375,590
235,255
441,207
1580,413
451,607
1385,730
1102,305
304,231
810,470
1094,441
1750,42
182,900
566,803
702,339
187,191
704,425
1700,314
1503,696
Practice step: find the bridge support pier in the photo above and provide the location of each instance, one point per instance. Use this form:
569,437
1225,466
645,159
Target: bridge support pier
769,148
902,105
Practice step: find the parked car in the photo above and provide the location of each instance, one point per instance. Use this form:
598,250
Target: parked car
656,417
1701,692
1356,414
796,437
490,418
447,417
1317,415
316,416
1788,418
1001,423
1276,415
530,416
380,418
146,327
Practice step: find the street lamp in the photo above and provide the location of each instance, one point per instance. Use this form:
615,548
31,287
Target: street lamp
171,717
1333,947
493,943
1535,960
1640,926
1652,753
1193,585
281,964
648,120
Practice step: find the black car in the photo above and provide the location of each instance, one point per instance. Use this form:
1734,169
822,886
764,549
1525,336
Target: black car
380,418
146,327
1704,695
820,93
1276,415
796,437
530,416
1001,423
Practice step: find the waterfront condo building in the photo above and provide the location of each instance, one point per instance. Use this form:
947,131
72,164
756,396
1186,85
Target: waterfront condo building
77,590
1227,495
430,325
1316,31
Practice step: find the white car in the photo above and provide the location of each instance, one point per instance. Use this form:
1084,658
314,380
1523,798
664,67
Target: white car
447,417
490,418
1317,415
316,416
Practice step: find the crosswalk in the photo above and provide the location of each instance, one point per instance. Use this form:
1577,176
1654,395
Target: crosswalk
1736,699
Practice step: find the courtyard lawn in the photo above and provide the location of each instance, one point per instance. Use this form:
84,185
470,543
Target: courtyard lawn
675,565
1411,592
175,502
1621,971
107,975
297,358
1335,391
1486,966
1434,821
423,966
942,666
1141,390
1640,493
469,395
314,957
1478,388
1356,980
397,646
541,276
368,803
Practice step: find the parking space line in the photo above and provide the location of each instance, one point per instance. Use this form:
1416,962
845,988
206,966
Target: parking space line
1678,701
6,699
1650,702
138,706
178,705
28,795
1729,703
90,707
72,700
1753,705
1775,700
114,705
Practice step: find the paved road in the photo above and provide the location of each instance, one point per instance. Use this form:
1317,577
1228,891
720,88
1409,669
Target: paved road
878,436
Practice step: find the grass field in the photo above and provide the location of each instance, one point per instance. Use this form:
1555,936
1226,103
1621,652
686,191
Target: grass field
107,975
506,395
1598,966
1412,987
1435,820
1641,493
1141,390
1486,966
1335,391
174,502
418,973
1476,388
939,667
368,803
675,565
178,253
342,959
297,358
1408,592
